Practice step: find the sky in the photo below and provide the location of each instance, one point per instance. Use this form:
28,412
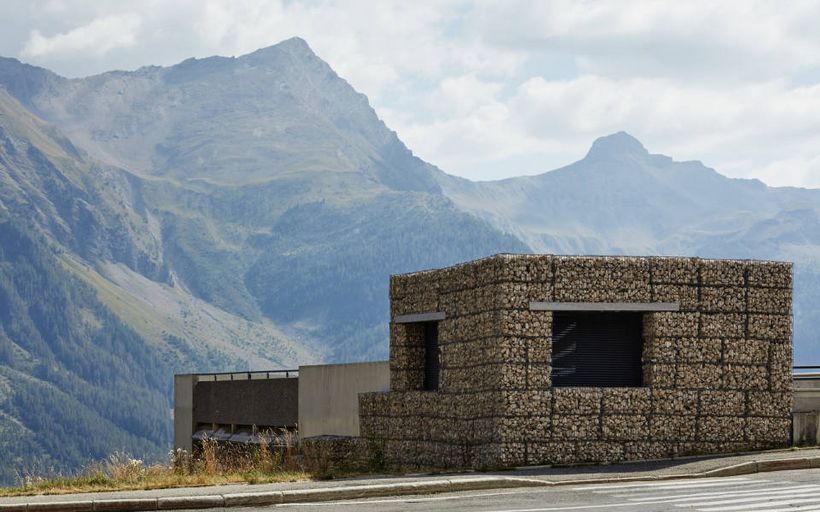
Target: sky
488,90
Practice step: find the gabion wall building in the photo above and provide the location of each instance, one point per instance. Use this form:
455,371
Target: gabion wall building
538,359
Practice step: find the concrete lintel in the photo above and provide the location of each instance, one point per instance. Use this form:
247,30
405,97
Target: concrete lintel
420,317
604,306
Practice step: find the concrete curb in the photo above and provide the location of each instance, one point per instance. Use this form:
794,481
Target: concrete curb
380,490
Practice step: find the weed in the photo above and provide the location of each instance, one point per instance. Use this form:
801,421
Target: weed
209,457
275,457
211,463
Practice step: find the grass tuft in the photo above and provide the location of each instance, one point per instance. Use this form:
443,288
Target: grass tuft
211,463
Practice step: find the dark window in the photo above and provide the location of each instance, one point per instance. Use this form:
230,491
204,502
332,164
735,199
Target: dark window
431,361
597,349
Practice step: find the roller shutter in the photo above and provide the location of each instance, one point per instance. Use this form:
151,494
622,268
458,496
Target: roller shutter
597,349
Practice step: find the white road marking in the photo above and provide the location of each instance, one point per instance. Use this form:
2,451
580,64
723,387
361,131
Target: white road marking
407,499
730,487
693,485
798,508
761,505
551,509
752,499
671,483
719,494
725,495
733,496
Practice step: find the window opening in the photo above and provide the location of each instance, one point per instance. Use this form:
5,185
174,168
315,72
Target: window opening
597,349
432,368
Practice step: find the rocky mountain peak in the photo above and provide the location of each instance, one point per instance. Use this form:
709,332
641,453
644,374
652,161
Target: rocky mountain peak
295,47
616,146
294,44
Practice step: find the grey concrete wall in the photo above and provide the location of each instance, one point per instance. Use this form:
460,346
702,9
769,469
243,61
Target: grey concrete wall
184,410
806,428
329,396
259,402
806,415
807,393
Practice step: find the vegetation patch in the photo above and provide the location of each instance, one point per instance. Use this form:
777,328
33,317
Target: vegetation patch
219,463
211,463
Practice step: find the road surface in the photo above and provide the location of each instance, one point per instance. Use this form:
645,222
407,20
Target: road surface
785,491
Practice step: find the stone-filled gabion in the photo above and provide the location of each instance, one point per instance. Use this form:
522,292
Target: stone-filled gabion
716,373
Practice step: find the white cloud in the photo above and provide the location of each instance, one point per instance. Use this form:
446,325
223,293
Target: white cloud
473,86
748,130
790,171
712,41
380,47
464,94
98,37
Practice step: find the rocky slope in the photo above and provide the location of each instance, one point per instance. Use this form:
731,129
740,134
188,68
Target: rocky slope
245,213
226,213
277,192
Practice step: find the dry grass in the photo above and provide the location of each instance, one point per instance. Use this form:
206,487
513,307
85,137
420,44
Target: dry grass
210,464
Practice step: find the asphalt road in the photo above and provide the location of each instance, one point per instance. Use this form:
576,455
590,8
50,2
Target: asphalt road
784,491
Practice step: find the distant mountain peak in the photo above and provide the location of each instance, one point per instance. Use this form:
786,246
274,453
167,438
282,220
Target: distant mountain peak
295,46
617,145
294,42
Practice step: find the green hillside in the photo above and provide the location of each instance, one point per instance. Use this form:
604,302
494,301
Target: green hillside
69,368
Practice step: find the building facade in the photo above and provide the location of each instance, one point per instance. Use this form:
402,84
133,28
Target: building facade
539,359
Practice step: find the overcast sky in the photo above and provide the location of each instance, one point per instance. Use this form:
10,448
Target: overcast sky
488,90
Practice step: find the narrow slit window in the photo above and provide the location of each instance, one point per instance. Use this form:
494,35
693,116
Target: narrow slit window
597,349
432,368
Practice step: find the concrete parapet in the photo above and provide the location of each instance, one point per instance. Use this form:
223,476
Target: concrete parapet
329,396
184,425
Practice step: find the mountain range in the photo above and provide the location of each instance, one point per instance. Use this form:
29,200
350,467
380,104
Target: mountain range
245,213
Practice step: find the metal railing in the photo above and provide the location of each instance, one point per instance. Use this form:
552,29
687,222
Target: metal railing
806,372
259,374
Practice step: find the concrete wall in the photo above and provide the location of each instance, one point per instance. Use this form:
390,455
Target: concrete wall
806,426
329,396
253,402
716,373
807,393
184,411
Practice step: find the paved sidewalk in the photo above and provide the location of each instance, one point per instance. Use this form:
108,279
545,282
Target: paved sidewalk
263,494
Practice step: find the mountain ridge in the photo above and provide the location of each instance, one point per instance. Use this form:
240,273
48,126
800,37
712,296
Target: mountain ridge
622,199
215,222
513,200
235,213
618,144
106,127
